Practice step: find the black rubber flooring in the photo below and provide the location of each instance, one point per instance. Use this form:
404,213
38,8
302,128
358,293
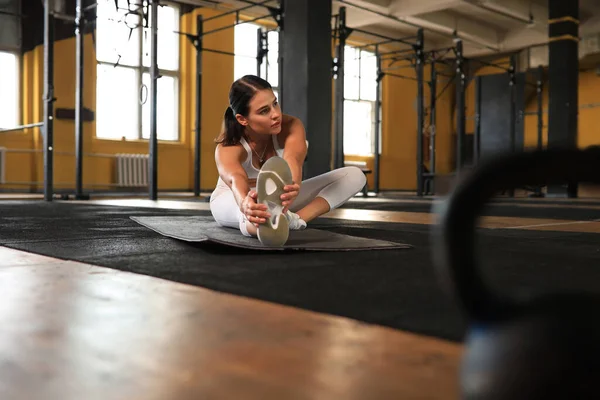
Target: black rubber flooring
580,210
569,211
394,288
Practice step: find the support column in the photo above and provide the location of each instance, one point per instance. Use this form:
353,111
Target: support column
376,174
419,58
198,44
79,88
306,94
338,120
563,30
460,106
153,142
48,102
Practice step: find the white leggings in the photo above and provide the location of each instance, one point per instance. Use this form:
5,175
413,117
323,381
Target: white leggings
336,187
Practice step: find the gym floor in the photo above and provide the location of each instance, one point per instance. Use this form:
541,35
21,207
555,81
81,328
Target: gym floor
96,306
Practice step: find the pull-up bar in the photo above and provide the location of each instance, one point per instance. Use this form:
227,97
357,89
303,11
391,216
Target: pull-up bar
389,39
376,44
22,127
197,40
237,10
236,24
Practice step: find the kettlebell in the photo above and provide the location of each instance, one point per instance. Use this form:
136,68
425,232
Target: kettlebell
542,346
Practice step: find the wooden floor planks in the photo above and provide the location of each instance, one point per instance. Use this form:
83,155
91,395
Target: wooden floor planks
74,331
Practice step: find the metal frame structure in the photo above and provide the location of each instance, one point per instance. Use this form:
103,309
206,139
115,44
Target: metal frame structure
47,125
197,41
419,59
341,33
511,70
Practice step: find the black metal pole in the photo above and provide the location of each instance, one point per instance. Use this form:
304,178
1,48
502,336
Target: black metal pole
420,111
266,58
477,133
79,80
198,129
433,118
513,92
377,121
460,106
540,105
280,53
513,109
48,102
540,118
259,50
153,150
338,154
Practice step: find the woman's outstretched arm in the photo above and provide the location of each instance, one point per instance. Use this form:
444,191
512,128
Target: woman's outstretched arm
295,147
229,166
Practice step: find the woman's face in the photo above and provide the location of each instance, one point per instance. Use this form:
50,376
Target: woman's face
264,114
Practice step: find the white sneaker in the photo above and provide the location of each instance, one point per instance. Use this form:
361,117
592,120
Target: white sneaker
295,222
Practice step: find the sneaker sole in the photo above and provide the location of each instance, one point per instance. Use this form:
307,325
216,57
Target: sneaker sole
274,175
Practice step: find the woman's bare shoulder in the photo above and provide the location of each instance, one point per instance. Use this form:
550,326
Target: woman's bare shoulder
230,152
287,119
288,123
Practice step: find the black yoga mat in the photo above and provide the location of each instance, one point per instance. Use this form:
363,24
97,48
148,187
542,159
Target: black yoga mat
205,229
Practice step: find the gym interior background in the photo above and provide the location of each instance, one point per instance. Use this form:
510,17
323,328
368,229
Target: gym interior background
120,124
498,65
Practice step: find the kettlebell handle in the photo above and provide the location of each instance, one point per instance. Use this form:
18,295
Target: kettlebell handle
454,232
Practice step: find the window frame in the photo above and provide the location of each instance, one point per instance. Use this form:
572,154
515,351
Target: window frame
140,70
264,73
18,117
359,99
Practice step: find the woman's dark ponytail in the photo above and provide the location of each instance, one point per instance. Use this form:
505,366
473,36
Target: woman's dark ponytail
240,94
232,130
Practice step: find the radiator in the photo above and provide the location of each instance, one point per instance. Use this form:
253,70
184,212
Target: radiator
2,165
132,170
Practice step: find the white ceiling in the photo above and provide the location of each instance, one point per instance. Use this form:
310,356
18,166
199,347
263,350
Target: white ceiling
487,27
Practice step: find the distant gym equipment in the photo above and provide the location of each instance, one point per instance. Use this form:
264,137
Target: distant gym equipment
80,22
418,57
534,347
197,41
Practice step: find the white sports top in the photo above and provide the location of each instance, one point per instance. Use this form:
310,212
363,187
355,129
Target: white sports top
250,169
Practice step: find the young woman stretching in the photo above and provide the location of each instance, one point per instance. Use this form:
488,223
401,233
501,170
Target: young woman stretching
254,131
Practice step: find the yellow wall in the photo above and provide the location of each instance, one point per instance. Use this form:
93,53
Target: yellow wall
175,159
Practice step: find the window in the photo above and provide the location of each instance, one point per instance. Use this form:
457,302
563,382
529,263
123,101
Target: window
246,51
360,90
9,90
123,73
